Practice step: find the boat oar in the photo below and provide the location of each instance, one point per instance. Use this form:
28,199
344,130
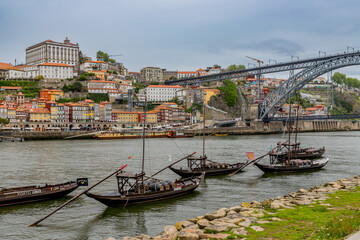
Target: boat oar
63,205
171,165
253,161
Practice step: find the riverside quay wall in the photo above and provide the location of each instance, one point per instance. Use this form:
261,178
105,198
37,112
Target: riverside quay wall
40,132
278,127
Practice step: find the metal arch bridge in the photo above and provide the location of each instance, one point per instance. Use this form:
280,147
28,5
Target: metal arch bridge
274,101
278,67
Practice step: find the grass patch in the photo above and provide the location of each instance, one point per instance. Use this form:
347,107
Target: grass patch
314,221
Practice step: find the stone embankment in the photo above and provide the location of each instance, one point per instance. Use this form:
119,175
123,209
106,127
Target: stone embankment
238,221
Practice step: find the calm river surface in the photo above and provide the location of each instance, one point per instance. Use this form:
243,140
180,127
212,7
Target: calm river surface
40,162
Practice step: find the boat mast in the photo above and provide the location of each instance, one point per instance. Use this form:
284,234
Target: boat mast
143,135
289,143
204,131
297,124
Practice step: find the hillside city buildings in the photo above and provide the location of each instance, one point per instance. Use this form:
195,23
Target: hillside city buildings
57,64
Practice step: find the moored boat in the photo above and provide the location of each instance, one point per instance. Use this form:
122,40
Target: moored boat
135,135
197,165
27,194
135,188
132,192
294,165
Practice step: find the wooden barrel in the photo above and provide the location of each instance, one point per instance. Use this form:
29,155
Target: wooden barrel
159,187
166,185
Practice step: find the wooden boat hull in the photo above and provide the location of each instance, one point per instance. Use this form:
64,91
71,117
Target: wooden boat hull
109,137
208,171
181,136
117,200
291,169
35,194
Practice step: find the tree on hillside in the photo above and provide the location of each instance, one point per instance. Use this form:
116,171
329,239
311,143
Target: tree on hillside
235,67
77,86
4,121
101,56
229,90
338,78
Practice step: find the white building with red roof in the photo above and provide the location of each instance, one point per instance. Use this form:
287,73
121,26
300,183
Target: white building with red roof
95,86
56,71
163,93
53,52
8,71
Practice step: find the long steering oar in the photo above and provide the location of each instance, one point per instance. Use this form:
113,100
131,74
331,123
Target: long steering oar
253,161
63,205
171,165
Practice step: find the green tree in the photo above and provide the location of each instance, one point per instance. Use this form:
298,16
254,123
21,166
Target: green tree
101,56
82,78
77,86
235,67
150,106
98,97
338,78
81,57
230,93
4,121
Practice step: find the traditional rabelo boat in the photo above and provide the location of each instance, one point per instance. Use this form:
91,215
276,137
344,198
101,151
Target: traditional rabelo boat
293,150
20,195
293,165
135,188
134,135
294,158
197,165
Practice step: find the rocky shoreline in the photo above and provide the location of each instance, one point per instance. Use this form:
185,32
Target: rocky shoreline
239,220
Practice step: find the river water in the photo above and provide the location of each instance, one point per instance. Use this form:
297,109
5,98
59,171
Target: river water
40,162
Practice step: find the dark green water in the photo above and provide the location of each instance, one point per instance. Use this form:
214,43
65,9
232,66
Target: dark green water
42,162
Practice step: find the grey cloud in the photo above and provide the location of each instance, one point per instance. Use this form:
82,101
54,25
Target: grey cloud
279,46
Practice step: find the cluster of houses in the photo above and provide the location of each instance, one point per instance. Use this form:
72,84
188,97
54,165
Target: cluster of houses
47,109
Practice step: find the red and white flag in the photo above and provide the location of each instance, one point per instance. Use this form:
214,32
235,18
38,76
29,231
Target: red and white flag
250,155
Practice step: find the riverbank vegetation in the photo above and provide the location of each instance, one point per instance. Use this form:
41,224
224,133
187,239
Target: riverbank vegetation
335,218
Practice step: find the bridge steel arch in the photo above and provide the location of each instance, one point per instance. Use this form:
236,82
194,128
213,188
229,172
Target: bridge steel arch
276,99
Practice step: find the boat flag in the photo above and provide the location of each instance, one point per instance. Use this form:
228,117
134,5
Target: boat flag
82,181
131,156
250,155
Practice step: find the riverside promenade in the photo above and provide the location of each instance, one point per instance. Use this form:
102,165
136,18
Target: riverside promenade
327,211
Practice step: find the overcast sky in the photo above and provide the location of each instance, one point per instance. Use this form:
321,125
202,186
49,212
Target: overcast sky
183,34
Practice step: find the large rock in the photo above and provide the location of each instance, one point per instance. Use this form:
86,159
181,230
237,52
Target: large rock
218,214
240,231
245,223
189,234
276,205
217,228
170,232
257,228
214,236
144,237
203,223
236,209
